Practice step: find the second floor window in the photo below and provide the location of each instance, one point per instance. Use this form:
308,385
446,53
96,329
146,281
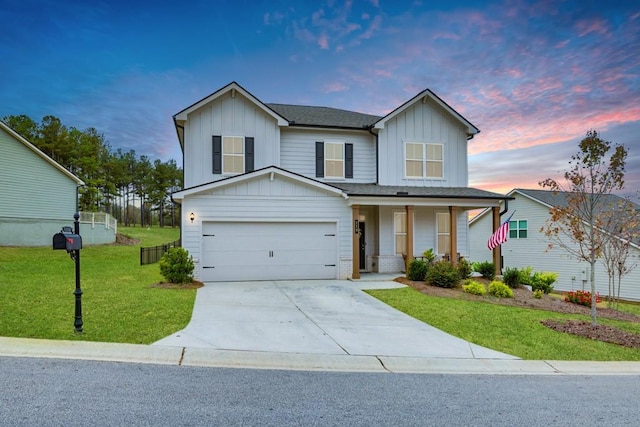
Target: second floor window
334,160
424,160
233,155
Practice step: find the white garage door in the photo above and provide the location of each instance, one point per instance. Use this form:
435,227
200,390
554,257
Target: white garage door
233,251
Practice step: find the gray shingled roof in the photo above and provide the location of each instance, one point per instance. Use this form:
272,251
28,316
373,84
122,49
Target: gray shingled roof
303,115
560,200
427,192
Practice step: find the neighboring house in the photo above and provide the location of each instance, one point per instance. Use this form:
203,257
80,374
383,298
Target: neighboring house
38,195
527,245
275,191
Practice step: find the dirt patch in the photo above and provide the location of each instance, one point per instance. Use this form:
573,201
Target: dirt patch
599,332
522,297
124,240
166,285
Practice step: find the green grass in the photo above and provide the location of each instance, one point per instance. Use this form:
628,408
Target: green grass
119,304
512,330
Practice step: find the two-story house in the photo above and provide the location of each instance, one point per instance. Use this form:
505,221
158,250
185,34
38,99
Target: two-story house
276,191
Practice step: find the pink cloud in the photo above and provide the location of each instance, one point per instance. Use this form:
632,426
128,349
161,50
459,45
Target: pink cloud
596,26
335,87
323,41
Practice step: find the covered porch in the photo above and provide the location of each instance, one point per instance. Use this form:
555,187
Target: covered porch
392,225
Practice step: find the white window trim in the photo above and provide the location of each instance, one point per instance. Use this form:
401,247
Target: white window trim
232,155
395,232
438,233
518,229
344,160
424,160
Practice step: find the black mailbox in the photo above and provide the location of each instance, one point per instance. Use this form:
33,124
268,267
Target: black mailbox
67,241
74,242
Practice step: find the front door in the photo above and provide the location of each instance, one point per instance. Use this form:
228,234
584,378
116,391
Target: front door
363,245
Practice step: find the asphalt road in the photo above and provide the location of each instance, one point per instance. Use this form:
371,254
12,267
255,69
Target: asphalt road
47,392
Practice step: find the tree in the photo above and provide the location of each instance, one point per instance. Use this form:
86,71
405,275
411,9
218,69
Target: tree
577,227
623,226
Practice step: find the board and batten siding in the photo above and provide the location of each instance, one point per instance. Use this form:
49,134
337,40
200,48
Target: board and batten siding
37,198
424,123
264,200
298,155
227,116
533,252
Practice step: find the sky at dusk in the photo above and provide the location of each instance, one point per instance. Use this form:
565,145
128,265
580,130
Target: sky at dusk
534,76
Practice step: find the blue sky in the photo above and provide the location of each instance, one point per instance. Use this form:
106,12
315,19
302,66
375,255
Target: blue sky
534,76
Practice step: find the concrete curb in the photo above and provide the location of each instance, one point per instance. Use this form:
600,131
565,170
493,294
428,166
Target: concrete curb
181,356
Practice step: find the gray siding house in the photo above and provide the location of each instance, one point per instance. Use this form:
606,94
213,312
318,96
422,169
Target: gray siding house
38,195
528,247
277,191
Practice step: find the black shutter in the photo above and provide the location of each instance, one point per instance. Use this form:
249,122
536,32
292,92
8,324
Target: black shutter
217,154
319,159
248,154
348,160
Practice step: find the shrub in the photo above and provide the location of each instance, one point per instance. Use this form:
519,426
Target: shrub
473,287
526,276
443,274
500,290
464,268
429,256
543,281
486,269
581,298
176,266
417,270
511,277
537,294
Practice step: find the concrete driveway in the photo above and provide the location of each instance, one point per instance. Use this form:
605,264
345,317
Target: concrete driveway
331,317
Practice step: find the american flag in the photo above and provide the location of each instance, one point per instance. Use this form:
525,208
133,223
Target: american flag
500,235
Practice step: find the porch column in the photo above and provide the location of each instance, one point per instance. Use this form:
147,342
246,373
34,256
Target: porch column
355,213
496,250
453,234
409,258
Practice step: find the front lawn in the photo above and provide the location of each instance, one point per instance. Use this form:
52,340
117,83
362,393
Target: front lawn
513,330
119,304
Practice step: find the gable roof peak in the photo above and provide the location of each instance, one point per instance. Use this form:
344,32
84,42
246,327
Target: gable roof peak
424,97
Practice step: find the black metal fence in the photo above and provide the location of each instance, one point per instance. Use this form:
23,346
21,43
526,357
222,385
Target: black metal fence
154,253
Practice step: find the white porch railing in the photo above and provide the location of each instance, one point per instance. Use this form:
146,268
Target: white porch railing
99,218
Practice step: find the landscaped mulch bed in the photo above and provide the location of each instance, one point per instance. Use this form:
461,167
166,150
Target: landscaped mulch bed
522,297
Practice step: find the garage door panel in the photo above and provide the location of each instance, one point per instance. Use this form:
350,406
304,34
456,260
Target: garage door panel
269,251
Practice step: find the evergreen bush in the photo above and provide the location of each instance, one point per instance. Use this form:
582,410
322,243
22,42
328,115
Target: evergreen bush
417,270
511,277
486,269
176,266
464,268
443,274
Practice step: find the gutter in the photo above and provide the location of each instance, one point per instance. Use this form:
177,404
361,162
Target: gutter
377,154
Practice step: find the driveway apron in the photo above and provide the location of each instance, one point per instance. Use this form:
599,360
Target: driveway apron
313,317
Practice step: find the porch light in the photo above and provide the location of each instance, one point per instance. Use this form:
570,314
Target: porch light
192,216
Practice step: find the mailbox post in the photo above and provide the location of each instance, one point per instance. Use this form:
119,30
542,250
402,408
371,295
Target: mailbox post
72,243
